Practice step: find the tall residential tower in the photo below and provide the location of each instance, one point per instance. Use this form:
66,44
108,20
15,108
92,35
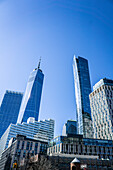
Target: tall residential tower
101,101
32,97
82,91
9,109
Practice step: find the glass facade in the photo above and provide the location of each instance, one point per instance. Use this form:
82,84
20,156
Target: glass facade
70,128
85,147
9,109
80,140
82,91
31,99
39,130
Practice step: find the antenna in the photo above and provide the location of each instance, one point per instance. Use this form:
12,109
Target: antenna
39,63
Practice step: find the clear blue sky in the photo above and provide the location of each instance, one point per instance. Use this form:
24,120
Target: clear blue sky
55,30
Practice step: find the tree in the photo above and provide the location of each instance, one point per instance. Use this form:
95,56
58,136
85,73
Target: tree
42,164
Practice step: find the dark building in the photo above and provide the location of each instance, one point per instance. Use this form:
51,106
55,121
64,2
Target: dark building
70,128
9,109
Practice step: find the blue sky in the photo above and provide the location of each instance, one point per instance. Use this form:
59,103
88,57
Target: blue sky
55,30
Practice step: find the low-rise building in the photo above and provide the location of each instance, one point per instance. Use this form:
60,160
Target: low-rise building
38,130
21,148
80,146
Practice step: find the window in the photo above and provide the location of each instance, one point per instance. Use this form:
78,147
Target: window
24,153
28,143
18,152
18,143
31,146
36,146
23,145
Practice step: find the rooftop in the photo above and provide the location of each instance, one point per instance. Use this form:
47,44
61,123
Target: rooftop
103,81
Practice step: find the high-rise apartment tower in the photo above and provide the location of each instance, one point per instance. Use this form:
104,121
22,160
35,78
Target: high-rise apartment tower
32,97
101,102
82,91
9,109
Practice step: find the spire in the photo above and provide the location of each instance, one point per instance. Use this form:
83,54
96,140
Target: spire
39,63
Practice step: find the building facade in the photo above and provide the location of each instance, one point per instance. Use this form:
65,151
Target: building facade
20,149
82,91
38,130
81,147
32,97
9,109
101,102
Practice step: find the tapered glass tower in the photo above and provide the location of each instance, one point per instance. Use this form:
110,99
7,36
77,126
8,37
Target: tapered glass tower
82,91
32,97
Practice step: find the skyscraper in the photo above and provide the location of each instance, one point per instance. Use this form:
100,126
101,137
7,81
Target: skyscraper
82,91
31,99
70,128
9,109
101,101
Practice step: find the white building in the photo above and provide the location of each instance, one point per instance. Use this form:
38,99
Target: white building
101,102
39,130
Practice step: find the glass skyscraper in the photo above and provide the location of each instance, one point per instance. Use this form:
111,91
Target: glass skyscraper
9,109
31,99
70,128
82,91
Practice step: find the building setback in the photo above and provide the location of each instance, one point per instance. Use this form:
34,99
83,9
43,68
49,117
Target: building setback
38,130
9,109
32,97
101,102
82,91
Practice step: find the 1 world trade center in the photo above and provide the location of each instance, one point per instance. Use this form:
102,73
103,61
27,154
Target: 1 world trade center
31,100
